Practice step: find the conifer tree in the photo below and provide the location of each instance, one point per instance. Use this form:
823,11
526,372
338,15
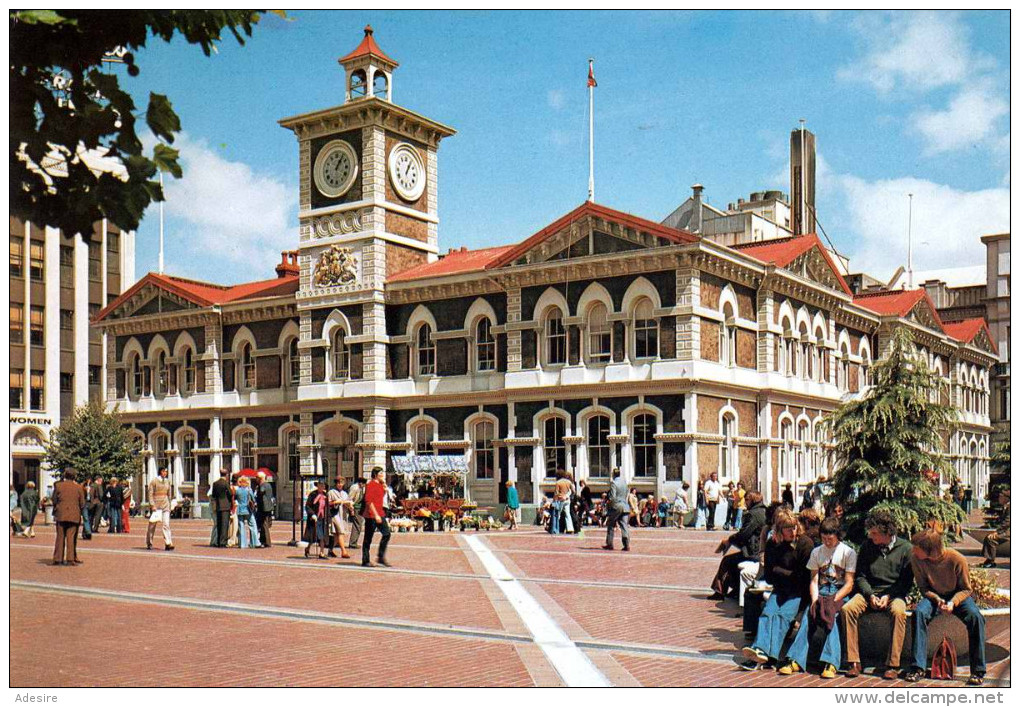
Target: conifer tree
93,442
888,445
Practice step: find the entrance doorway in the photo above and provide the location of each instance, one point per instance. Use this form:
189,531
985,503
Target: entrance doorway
338,451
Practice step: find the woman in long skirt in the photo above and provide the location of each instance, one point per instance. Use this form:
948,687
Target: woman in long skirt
125,511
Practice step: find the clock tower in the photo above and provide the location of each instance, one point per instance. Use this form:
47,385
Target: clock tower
367,210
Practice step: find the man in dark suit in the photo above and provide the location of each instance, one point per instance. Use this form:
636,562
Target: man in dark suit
68,502
222,502
265,508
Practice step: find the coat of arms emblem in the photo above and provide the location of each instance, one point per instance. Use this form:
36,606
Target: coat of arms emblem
336,266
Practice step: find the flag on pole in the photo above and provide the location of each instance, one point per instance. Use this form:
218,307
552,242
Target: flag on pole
591,74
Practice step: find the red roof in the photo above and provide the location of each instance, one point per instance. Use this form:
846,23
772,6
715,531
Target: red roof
783,251
896,303
456,262
590,208
205,294
368,47
966,330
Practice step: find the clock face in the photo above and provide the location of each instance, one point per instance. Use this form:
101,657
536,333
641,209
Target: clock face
407,172
336,168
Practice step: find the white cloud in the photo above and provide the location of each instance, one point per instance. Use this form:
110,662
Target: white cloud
947,223
970,118
229,211
557,99
914,51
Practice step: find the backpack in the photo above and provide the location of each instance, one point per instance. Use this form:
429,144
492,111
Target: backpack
943,663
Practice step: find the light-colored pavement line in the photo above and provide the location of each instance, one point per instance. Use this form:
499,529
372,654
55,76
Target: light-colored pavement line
261,611
573,666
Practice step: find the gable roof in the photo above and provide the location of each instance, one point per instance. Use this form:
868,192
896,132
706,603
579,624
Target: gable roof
206,294
967,329
783,251
590,208
899,304
457,262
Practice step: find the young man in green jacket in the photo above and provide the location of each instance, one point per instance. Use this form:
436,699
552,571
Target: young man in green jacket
884,579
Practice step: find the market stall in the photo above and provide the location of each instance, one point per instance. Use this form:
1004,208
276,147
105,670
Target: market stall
435,500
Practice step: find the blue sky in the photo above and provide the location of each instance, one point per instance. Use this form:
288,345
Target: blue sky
900,102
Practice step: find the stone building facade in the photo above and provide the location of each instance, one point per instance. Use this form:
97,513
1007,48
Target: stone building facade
604,340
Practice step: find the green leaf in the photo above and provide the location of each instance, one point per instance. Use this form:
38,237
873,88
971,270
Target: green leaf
161,118
43,17
165,158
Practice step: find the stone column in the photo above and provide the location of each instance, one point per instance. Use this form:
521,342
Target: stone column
306,443
766,339
688,326
214,352
374,357
690,472
513,338
374,437
216,444
305,354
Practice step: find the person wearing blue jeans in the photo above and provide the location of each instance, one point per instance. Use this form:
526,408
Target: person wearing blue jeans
833,565
786,556
247,531
943,578
114,503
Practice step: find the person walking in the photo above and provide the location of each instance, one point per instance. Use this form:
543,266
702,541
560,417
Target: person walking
96,501
713,491
339,503
114,502
125,509
15,525
375,518
315,525
160,494
248,534
266,501
68,502
561,504
29,508
357,494
222,501
619,510
513,504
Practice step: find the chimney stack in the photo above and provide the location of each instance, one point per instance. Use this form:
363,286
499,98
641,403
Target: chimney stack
694,225
802,180
288,264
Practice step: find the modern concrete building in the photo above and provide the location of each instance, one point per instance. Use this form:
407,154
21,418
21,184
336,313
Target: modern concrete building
603,340
57,362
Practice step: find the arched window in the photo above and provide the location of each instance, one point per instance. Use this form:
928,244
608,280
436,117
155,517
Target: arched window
293,363
555,338
426,351
599,450
790,343
484,453
643,443
359,84
786,450
379,85
600,334
247,362
189,462
843,369
646,330
728,338
188,361
552,442
137,377
293,454
341,356
728,453
160,444
485,345
162,374
803,470
804,353
865,374
246,449
422,435
819,457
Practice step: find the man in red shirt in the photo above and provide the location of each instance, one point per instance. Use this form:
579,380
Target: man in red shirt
375,517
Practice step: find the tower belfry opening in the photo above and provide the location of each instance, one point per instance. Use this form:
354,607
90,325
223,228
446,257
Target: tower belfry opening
369,72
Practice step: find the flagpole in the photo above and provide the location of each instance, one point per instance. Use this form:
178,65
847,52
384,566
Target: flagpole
591,130
161,223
